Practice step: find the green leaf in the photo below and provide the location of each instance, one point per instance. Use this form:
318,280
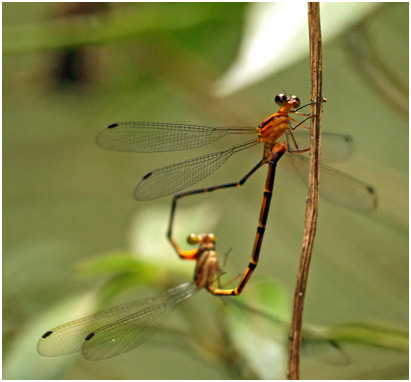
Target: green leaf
371,334
112,263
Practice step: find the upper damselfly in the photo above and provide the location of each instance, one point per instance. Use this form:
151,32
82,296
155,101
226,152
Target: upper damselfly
148,137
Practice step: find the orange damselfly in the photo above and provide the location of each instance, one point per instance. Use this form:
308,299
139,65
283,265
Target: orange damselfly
161,137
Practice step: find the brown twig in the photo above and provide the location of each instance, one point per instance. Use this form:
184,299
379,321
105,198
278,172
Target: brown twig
312,197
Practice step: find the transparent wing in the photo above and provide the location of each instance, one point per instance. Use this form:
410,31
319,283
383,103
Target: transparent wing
326,349
131,331
334,147
314,343
176,177
337,186
146,137
70,337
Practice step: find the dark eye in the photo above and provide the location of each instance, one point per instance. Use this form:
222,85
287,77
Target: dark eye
297,101
281,99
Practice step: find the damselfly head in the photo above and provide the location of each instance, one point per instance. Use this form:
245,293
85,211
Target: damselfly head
291,102
204,238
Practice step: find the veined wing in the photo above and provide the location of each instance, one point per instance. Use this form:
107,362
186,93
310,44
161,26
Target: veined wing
314,343
176,177
146,137
338,186
70,337
323,348
335,147
131,331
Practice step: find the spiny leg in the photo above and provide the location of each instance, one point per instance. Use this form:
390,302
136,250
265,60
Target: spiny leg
300,123
289,148
298,113
191,254
290,132
304,106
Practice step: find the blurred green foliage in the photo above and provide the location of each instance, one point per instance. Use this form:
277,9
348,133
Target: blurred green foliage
68,72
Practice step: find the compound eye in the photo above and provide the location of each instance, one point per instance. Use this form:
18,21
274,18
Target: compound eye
212,237
281,99
193,239
296,101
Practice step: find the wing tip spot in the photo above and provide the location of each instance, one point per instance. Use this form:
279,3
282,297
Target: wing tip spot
112,125
147,175
90,336
371,190
47,334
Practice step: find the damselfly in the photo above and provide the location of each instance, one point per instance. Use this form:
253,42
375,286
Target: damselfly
123,328
160,137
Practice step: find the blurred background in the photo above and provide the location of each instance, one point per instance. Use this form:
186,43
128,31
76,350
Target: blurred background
74,238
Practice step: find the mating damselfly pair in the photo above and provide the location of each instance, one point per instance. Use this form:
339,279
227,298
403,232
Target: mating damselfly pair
118,330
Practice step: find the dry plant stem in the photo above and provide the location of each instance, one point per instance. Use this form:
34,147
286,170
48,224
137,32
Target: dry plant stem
312,197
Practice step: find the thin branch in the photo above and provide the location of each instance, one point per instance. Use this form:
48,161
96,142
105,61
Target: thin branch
312,197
